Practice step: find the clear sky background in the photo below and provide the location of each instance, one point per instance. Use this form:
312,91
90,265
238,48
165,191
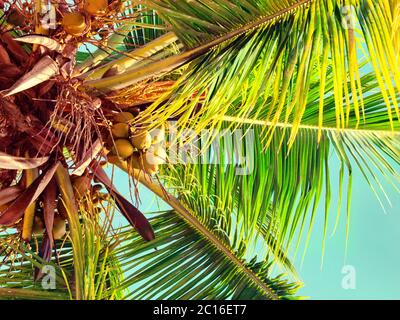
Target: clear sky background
373,248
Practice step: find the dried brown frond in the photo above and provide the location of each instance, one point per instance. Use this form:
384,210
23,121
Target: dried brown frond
46,114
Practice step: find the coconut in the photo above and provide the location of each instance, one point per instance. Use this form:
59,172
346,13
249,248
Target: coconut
141,139
74,23
96,7
123,148
123,117
38,226
59,228
150,168
156,155
141,162
120,130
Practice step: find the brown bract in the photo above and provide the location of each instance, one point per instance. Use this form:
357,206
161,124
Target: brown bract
50,123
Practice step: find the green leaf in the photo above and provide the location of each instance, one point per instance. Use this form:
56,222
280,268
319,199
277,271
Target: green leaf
182,264
270,57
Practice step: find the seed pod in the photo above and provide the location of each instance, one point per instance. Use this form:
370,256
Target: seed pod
74,23
120,130
96,7
123,117
123,148
141,139
38,226
59,227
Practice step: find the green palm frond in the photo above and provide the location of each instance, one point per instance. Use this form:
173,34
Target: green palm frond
17,269
137,29
199,23
276,202
182,264
219,235
284,188
98,278
267,53
174,263
301,80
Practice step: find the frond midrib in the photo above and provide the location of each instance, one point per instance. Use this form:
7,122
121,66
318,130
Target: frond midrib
187,216
261,21
136,75
241,120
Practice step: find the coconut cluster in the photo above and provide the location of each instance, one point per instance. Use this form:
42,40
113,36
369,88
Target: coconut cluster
83,189
39,228
140,148
78,23
53,115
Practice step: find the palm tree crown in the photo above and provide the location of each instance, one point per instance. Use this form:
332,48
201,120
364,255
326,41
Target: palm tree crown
264,90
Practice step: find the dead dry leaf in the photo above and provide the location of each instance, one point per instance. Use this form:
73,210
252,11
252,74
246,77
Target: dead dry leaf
9,194
4,57
18,163
43,41
44,70
135,217
88,157
16,210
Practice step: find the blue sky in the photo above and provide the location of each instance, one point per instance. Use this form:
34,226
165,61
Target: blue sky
373,250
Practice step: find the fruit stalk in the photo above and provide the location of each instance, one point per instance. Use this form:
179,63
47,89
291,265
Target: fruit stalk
29,216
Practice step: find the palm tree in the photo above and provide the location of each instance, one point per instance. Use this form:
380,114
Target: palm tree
290,82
